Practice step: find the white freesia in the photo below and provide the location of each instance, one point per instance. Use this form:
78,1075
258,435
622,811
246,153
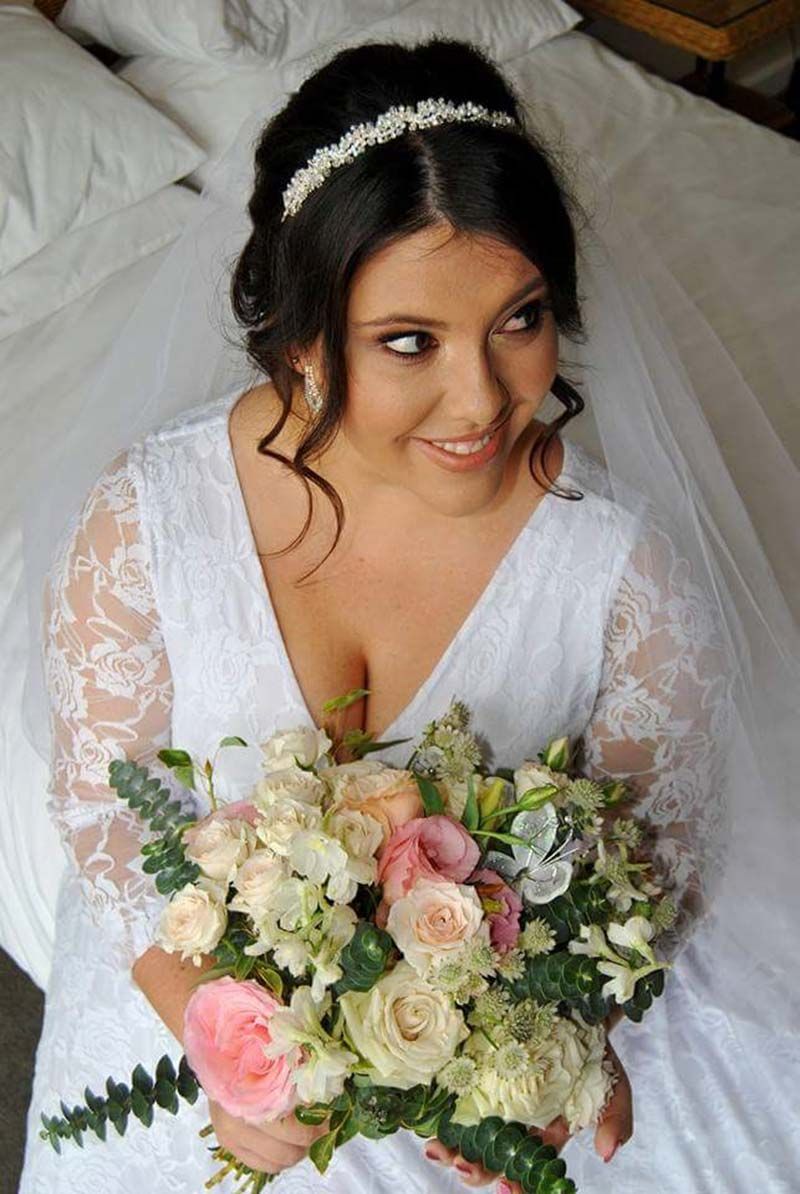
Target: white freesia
301,745
361,836
192,923
556,1082
636,934
220,846
291,953
622,976
435,919
290,783
404,1029
316,854
257,882
338,926
327,1063
295,903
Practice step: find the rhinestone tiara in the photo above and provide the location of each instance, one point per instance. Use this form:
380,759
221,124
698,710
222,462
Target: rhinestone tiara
390,124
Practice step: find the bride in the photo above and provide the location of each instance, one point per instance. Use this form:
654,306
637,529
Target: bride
382,505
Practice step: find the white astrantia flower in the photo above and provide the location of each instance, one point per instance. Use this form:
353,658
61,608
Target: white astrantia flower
302,745
321,1076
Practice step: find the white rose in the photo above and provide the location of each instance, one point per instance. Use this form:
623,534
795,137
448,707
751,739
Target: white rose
287,748
434,919
192,922
219,846
257,882
279,823
289,783
563,1077
403,1028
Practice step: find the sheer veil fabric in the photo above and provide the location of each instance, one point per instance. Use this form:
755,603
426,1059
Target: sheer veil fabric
731,828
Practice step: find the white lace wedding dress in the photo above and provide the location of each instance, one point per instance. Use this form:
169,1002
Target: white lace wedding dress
161,632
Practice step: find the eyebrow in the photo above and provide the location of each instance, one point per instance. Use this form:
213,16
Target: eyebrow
535,283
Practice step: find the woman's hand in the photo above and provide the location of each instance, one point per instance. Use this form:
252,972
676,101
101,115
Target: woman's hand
615,1128
269,1148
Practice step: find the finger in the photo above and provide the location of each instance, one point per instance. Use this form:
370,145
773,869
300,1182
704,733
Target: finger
556,1134
237,1135
291,1131
436,1151
504,1186
615,1126
471,1174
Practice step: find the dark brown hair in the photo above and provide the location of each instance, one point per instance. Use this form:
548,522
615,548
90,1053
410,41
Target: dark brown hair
292,279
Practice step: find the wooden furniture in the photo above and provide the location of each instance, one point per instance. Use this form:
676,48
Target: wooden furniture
715,31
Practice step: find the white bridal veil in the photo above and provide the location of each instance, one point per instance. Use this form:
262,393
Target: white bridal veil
645,423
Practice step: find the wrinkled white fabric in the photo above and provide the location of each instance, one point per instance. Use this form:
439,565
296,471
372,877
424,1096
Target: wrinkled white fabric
160,631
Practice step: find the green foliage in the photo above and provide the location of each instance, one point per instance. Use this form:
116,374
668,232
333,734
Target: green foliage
582,903
363,960
432,801
567,979
165,857
139,1099
508,1149
470,818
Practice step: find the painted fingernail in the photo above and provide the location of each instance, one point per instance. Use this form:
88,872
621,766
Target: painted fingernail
463,1167
432,1152
503,1186
610,1152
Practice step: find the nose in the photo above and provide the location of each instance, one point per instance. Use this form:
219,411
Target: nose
476,396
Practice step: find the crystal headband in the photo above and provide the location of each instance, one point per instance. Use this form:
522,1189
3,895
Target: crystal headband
390,124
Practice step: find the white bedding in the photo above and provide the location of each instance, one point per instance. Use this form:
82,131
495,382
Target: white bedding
720,195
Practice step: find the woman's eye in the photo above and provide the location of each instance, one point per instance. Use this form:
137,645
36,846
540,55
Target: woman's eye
399,343
404,346
537,306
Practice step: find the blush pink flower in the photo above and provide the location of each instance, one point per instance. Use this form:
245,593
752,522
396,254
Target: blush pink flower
434,847
503,921
225,1029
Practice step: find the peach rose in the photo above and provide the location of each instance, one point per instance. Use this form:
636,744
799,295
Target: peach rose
389,795
435,847
225,1029
434,919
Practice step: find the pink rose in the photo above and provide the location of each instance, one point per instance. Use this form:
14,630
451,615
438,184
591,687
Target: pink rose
434,847
503,921
225,1026
242,809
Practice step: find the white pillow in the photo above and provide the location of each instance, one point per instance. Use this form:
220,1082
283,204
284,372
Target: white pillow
80,260
75,142
211,101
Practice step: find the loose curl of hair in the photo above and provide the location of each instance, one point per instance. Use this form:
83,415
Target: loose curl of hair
292,280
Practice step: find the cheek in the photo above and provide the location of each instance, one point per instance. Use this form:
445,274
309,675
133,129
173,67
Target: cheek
382,407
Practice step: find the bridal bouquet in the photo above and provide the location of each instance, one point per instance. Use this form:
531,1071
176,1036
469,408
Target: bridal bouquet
432,948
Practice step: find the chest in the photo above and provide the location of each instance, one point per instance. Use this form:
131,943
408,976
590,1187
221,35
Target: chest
382,619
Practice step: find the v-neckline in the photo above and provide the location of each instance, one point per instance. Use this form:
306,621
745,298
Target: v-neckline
260,581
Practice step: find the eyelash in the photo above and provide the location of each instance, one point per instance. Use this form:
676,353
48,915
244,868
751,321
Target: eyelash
408,357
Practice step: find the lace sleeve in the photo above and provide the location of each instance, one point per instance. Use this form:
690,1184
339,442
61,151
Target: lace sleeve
661,721
110,695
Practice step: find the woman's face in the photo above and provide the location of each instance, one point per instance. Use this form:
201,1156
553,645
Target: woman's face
449,336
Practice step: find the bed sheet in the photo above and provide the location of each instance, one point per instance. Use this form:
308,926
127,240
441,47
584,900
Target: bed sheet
717,194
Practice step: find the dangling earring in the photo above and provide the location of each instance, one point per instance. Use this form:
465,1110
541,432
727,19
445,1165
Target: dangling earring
313,394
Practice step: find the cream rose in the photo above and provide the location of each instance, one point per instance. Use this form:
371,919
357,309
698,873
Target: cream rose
403,1028
302,745
192,922
219,846
389,795
288,783
257,883
566,1080
435,918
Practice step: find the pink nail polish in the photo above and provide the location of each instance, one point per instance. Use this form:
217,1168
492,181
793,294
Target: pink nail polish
462,1168
610,1153
432,1153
